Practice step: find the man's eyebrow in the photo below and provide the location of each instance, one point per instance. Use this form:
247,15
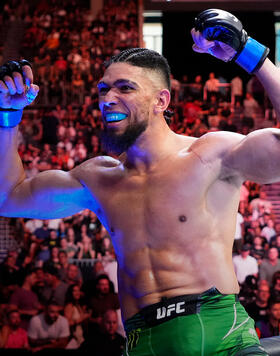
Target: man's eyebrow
126,81
118,82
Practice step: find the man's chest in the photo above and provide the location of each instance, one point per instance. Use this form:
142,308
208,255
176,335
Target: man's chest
171,194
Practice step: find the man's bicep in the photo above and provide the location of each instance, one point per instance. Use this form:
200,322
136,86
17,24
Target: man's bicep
254,158
49,195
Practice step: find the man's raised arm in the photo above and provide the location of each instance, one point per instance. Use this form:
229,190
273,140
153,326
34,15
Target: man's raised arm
220,34
50,194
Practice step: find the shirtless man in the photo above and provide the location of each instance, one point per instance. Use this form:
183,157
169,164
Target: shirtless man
169,202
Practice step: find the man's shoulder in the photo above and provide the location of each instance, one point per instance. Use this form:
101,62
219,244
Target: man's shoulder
37,319
265,263
96,165
215,144
62,319
236,258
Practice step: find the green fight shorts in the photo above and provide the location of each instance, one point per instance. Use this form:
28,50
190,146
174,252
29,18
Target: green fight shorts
204,324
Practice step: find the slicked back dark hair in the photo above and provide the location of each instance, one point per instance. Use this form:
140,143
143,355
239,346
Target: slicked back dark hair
145,58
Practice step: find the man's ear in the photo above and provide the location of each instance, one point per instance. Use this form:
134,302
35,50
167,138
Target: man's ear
162,101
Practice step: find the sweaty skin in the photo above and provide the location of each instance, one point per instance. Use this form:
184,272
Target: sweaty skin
169,202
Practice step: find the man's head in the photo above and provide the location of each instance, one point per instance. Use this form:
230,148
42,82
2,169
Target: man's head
40,276
245,250
103,284
72,273
62,256
144,58
52,312
274,310
273,254
263,292
51,275
134,90
14,319
110,322
30,279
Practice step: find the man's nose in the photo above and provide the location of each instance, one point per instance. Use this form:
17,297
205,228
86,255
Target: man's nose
110,97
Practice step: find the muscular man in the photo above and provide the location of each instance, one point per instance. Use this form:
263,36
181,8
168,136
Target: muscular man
169,201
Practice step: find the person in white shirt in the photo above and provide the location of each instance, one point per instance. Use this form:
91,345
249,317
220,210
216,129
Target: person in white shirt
244,264
238,237
48,330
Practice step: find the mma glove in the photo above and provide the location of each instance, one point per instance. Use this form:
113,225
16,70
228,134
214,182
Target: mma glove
11,117
225,29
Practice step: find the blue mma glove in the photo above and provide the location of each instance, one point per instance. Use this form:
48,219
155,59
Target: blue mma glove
222,26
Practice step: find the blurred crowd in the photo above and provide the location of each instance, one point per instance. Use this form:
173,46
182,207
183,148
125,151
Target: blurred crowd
58,286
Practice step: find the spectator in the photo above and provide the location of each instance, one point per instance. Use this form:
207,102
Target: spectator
239,231
76,313
25,300
85,248
42,233
211,87
103,298
271,326
54,259
72,248
40,282
244,264
251,106
258,308
275,288
257,250
54,289
236,90
106,341
270,265
48,330
73,275
268,231
196,88
275,242
9,276
12,336
66,272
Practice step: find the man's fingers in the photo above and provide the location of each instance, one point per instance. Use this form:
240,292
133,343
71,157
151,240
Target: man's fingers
27,75
18,80
10,84
3,87
201,45
197,49
31,93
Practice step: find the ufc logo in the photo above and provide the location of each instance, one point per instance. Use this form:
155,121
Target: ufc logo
165,312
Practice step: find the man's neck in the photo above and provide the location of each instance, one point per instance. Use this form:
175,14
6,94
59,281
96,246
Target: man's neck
261,304
26,286
274,322
150,148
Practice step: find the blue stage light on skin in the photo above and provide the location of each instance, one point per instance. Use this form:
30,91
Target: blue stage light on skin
115,116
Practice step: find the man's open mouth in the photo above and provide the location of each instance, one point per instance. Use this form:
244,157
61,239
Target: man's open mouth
115,117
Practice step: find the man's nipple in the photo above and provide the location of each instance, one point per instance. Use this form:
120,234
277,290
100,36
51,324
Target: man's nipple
182,218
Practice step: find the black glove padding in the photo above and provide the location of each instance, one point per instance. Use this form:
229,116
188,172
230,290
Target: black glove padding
12,66
222,26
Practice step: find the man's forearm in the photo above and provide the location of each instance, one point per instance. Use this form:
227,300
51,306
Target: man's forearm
269,76
12,172
48,343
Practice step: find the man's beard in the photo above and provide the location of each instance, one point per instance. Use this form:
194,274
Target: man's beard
119,143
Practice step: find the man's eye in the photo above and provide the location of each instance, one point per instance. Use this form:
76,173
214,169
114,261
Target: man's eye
125,88
103,91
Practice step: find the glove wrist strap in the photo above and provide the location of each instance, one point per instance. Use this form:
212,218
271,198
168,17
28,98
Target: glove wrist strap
10,117
252,55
